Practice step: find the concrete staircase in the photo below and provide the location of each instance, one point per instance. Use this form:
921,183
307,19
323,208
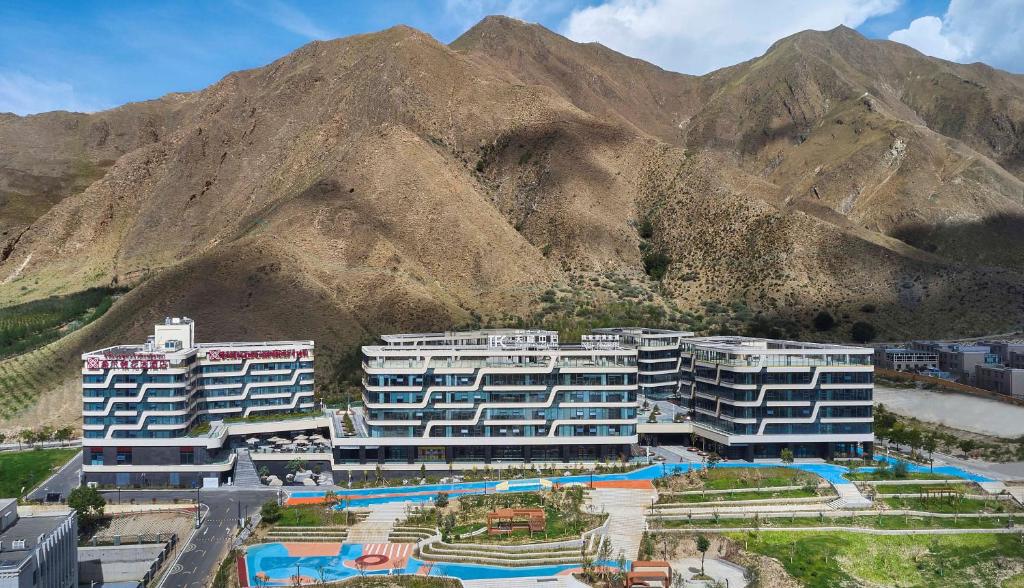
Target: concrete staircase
379,523
849,498
245,475
626,520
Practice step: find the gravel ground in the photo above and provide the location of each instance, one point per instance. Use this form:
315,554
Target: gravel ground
959,411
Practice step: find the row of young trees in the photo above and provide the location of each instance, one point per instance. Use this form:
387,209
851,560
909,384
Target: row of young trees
40,435
890,429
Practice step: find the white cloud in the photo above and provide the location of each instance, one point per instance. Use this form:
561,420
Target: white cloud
925,35
991,31
23,94
696,36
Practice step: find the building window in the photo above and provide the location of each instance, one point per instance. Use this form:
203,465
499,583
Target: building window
124,456
95,456
187,456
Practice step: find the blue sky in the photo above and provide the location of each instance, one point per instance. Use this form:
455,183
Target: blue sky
86,56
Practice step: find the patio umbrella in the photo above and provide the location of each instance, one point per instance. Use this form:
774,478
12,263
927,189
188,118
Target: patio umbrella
301,442
252,440
282,442
301,438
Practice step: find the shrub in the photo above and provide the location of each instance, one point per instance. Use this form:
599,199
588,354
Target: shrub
862,332
270,511
442,500
656,264
823,321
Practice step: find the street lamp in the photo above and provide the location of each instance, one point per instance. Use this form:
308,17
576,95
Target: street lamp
198,519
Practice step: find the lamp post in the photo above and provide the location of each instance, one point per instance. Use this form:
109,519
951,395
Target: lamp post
198,518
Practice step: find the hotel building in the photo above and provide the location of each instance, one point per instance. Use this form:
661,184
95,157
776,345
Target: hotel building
752,398
499,395
659,362
152,413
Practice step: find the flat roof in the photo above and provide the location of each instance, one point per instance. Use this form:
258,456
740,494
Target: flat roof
27,529
738,344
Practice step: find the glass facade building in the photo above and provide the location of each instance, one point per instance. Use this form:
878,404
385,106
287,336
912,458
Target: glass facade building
502,394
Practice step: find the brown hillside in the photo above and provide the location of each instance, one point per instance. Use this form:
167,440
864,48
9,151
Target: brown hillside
386,181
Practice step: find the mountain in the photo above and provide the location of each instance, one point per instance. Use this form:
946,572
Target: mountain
387,182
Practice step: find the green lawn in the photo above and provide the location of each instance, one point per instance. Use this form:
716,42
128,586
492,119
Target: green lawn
311,516
890,522
845,559
919,488
26,469
951,505
738,495
732,478
862,476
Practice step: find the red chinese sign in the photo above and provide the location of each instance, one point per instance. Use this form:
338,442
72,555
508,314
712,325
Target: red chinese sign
222,355
128,361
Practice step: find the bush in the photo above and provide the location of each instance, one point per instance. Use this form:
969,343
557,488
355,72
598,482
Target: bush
656,264
88,503
442,500
868,308
270,511
823,321
863,332
900,470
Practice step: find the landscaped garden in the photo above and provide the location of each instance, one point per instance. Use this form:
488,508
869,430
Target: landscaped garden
737,478
951,504
873,521
24,470
845,559
809,491
465,520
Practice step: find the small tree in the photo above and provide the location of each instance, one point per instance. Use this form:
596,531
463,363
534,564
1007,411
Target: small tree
712,460
296,465
88,503
702,546
442,500
930,444
604,555
862,332
786,455
900,470
270,511
967,446
27,436
823,321
65,434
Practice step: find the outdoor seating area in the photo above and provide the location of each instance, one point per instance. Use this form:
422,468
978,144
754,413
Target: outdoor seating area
508,520
301,443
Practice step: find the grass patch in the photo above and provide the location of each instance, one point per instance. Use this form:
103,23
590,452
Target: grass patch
312,515
916,488
865,476
844,559
400,582
738,495
737,478
27,469
887,522
951,505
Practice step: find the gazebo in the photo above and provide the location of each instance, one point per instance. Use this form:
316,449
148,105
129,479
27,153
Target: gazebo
642,573
507,520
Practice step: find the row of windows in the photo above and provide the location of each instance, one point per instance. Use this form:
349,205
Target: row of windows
551,379
505,414
478,396
276,365
507,431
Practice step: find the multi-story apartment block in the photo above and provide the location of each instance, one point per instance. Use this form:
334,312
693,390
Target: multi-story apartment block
906,360
754,397
961,360
143,404
1016,360
39,551
1001,379
1004,350
658,358
495,395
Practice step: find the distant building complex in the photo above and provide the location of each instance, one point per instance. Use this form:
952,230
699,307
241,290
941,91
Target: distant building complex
176,413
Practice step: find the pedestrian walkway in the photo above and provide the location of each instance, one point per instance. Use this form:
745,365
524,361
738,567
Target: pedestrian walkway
377,526
626,521
849,498
245,475
566,581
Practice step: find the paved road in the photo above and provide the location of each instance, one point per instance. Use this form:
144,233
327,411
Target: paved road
62,482
203,553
